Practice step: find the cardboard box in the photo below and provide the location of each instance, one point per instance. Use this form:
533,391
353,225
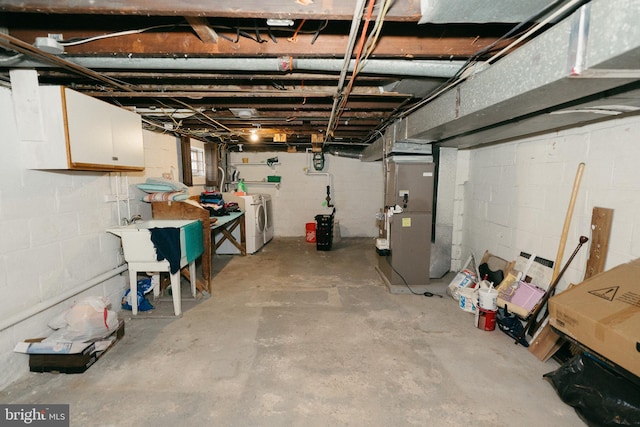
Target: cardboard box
603,314
68,358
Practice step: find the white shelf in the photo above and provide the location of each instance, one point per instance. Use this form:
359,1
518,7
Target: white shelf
275,184
254,164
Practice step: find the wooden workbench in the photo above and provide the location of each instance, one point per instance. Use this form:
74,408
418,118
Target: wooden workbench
225,225
210,226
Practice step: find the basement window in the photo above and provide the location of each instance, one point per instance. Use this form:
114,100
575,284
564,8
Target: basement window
197,162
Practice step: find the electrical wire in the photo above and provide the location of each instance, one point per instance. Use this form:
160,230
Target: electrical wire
75,42
426,293
239,32
294,38
319,30
372,40
355,24
11,58
345,95
508,34
459,77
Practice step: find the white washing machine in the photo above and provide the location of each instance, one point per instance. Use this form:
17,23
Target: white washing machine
258,217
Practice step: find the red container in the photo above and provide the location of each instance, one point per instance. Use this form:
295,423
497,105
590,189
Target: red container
311,232
486,319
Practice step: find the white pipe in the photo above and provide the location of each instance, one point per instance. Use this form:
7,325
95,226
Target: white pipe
328,175
222,180
126,183
117,185
40,307
353,35
402,67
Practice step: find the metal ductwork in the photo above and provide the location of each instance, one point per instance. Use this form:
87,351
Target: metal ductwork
396,141
585,68
342,151
479,11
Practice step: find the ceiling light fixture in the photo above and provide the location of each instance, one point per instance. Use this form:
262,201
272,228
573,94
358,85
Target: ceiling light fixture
244,113
280,22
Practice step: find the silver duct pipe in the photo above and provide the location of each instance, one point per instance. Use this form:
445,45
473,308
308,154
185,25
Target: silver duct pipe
344,152
425,68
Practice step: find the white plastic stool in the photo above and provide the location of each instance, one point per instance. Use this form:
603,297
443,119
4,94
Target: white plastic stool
159,267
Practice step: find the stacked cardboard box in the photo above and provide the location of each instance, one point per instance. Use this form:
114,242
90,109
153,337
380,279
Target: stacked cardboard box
603,314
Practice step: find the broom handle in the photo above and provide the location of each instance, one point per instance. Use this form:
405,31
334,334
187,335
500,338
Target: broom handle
567,222
532,324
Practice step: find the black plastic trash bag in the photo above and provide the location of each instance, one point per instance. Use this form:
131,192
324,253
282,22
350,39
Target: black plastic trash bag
600,396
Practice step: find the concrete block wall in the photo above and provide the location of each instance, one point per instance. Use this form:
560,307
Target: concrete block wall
356,191
53,239
516,194
459,254
441,250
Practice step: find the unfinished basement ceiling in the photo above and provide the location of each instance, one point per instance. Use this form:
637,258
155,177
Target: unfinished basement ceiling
217,70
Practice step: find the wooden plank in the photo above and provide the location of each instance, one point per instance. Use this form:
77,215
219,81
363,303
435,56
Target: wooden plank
405,11
199,285
601,219
545,343
182,41
202,28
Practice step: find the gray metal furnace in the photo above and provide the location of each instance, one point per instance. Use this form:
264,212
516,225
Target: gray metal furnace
405,250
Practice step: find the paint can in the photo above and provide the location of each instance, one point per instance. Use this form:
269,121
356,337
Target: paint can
486,319
311,232
467,299
488,298
463,279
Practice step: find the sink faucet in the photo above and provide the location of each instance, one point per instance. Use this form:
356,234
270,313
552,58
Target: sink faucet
132,220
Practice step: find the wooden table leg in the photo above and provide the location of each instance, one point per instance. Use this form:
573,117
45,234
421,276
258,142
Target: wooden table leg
199,284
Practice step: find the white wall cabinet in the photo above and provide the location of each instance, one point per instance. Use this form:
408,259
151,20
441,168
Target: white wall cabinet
81,133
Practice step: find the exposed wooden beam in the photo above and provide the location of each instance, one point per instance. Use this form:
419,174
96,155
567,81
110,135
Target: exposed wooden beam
406,10
414,45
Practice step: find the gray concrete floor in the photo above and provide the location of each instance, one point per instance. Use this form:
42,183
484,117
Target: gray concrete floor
292,336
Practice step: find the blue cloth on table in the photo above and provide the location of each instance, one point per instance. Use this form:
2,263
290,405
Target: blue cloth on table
193,239
167,243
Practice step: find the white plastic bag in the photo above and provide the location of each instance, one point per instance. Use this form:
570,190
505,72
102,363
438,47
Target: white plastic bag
89,318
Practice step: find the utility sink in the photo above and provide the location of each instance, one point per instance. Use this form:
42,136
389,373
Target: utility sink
179,242
137,244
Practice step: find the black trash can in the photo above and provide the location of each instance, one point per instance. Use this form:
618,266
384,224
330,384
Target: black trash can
324,232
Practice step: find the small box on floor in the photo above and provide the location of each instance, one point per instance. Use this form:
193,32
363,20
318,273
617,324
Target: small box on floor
68,358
